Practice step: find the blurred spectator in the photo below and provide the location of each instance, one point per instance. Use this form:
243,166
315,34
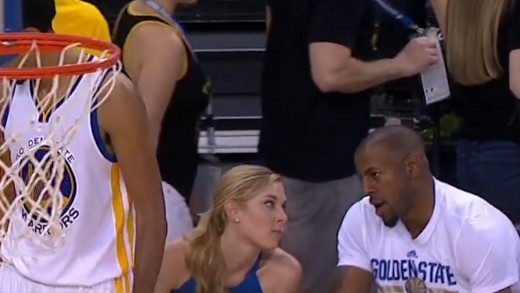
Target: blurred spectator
483,57
175,89
76,17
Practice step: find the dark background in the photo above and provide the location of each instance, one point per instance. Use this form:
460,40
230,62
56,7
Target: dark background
228,37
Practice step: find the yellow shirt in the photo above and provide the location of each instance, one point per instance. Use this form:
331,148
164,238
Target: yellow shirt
75,17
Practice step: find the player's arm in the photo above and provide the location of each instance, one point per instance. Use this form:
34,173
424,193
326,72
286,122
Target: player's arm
156,59
123,117
514,49
490,263
354,271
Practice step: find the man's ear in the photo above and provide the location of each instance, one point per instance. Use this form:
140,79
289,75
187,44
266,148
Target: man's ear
413,163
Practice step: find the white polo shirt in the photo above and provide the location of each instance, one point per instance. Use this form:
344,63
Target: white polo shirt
467,246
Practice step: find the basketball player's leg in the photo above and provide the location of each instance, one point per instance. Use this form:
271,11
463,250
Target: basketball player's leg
178,214
315,212
11,281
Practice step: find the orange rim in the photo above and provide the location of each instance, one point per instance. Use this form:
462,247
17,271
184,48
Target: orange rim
19,43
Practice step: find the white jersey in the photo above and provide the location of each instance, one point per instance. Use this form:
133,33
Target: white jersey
467,246
97,215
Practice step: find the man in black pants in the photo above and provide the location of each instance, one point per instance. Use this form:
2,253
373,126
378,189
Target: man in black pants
316,108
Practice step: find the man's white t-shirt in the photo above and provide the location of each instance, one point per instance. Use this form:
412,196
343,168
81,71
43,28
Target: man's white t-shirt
467,246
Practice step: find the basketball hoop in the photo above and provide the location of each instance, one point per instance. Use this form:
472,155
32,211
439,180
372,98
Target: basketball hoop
23,43
39,172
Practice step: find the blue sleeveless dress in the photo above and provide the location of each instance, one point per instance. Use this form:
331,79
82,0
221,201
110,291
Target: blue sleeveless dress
250,284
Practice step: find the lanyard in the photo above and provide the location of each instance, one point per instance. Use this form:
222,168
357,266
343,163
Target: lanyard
161,10
403,19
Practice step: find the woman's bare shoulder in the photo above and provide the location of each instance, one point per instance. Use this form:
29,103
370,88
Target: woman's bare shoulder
281,272
178,246
176,252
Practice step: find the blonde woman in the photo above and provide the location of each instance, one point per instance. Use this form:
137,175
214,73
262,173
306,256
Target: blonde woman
235,247
483,58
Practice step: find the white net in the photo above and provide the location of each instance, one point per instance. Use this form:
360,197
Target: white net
35,173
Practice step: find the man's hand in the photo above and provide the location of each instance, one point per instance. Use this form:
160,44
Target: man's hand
419,54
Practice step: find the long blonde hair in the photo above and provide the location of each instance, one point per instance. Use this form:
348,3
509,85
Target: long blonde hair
204,260
472,31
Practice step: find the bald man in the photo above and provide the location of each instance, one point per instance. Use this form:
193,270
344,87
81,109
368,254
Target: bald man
414,233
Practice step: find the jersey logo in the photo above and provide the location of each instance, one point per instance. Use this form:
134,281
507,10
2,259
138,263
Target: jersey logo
45,183
413,275
411,254
415,285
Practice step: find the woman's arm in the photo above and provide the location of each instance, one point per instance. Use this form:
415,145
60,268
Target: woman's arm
440,8
173,270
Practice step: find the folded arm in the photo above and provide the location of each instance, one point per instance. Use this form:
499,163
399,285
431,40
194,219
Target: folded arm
334,29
